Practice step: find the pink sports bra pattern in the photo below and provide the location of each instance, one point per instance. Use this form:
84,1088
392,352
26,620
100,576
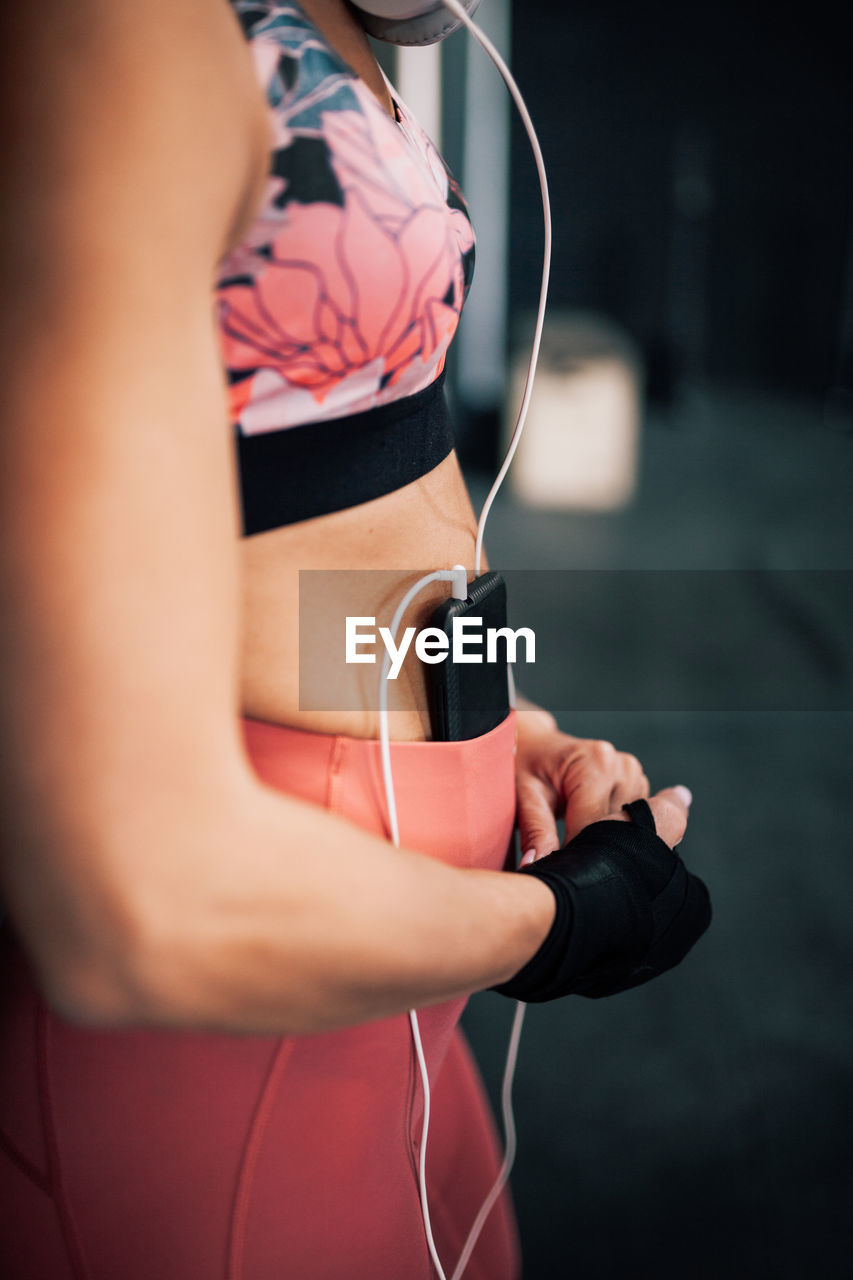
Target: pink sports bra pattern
347,289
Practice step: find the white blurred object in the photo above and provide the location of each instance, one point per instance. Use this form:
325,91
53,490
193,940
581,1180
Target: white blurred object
580,445
418,79
482,339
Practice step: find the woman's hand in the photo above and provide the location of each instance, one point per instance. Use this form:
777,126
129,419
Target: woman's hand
558,775
626,908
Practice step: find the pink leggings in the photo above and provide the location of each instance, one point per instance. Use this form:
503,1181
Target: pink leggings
163,1155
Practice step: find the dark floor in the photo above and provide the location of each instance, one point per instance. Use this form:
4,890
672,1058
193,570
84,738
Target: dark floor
701,1126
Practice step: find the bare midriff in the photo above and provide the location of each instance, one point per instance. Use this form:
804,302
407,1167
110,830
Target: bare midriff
429,524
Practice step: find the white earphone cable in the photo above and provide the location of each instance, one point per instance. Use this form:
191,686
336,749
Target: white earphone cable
422,1149
458,578
453,575
515,93
508,1119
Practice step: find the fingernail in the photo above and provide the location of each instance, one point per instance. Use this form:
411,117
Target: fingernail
685,794
528,858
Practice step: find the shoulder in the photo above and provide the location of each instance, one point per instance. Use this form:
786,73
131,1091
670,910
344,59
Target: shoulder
144,114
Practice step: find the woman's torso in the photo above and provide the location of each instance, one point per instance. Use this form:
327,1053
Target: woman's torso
426,524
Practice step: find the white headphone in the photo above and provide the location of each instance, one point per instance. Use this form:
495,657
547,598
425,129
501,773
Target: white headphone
409,22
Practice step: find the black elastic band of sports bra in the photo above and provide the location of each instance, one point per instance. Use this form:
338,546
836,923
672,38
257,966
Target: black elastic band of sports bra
301,472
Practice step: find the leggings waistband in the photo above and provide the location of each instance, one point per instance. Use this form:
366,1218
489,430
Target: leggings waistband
455,800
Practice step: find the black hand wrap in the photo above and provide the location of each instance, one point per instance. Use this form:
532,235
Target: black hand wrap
627,910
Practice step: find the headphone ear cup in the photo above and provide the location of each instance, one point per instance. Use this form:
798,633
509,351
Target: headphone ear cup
394,21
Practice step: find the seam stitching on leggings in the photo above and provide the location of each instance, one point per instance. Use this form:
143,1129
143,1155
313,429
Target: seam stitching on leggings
335,773
68,1227
25,1165
409,1136
246,1172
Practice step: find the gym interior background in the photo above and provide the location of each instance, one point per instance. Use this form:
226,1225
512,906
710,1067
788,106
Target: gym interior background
702,186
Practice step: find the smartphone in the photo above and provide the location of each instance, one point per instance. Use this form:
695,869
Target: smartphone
468,699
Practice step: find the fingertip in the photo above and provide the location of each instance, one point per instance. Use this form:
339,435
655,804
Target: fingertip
684,794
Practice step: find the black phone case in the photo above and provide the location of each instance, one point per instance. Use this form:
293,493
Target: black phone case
469,699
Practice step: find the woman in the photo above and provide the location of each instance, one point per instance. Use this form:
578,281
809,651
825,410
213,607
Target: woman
188,854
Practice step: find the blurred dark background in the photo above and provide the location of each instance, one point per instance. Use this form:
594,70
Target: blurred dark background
700,162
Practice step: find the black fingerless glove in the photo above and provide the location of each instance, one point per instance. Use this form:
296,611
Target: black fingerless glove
627,910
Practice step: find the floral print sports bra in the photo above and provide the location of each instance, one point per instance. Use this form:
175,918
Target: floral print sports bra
337,308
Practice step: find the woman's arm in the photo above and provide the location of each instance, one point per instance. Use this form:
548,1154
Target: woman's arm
150,875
